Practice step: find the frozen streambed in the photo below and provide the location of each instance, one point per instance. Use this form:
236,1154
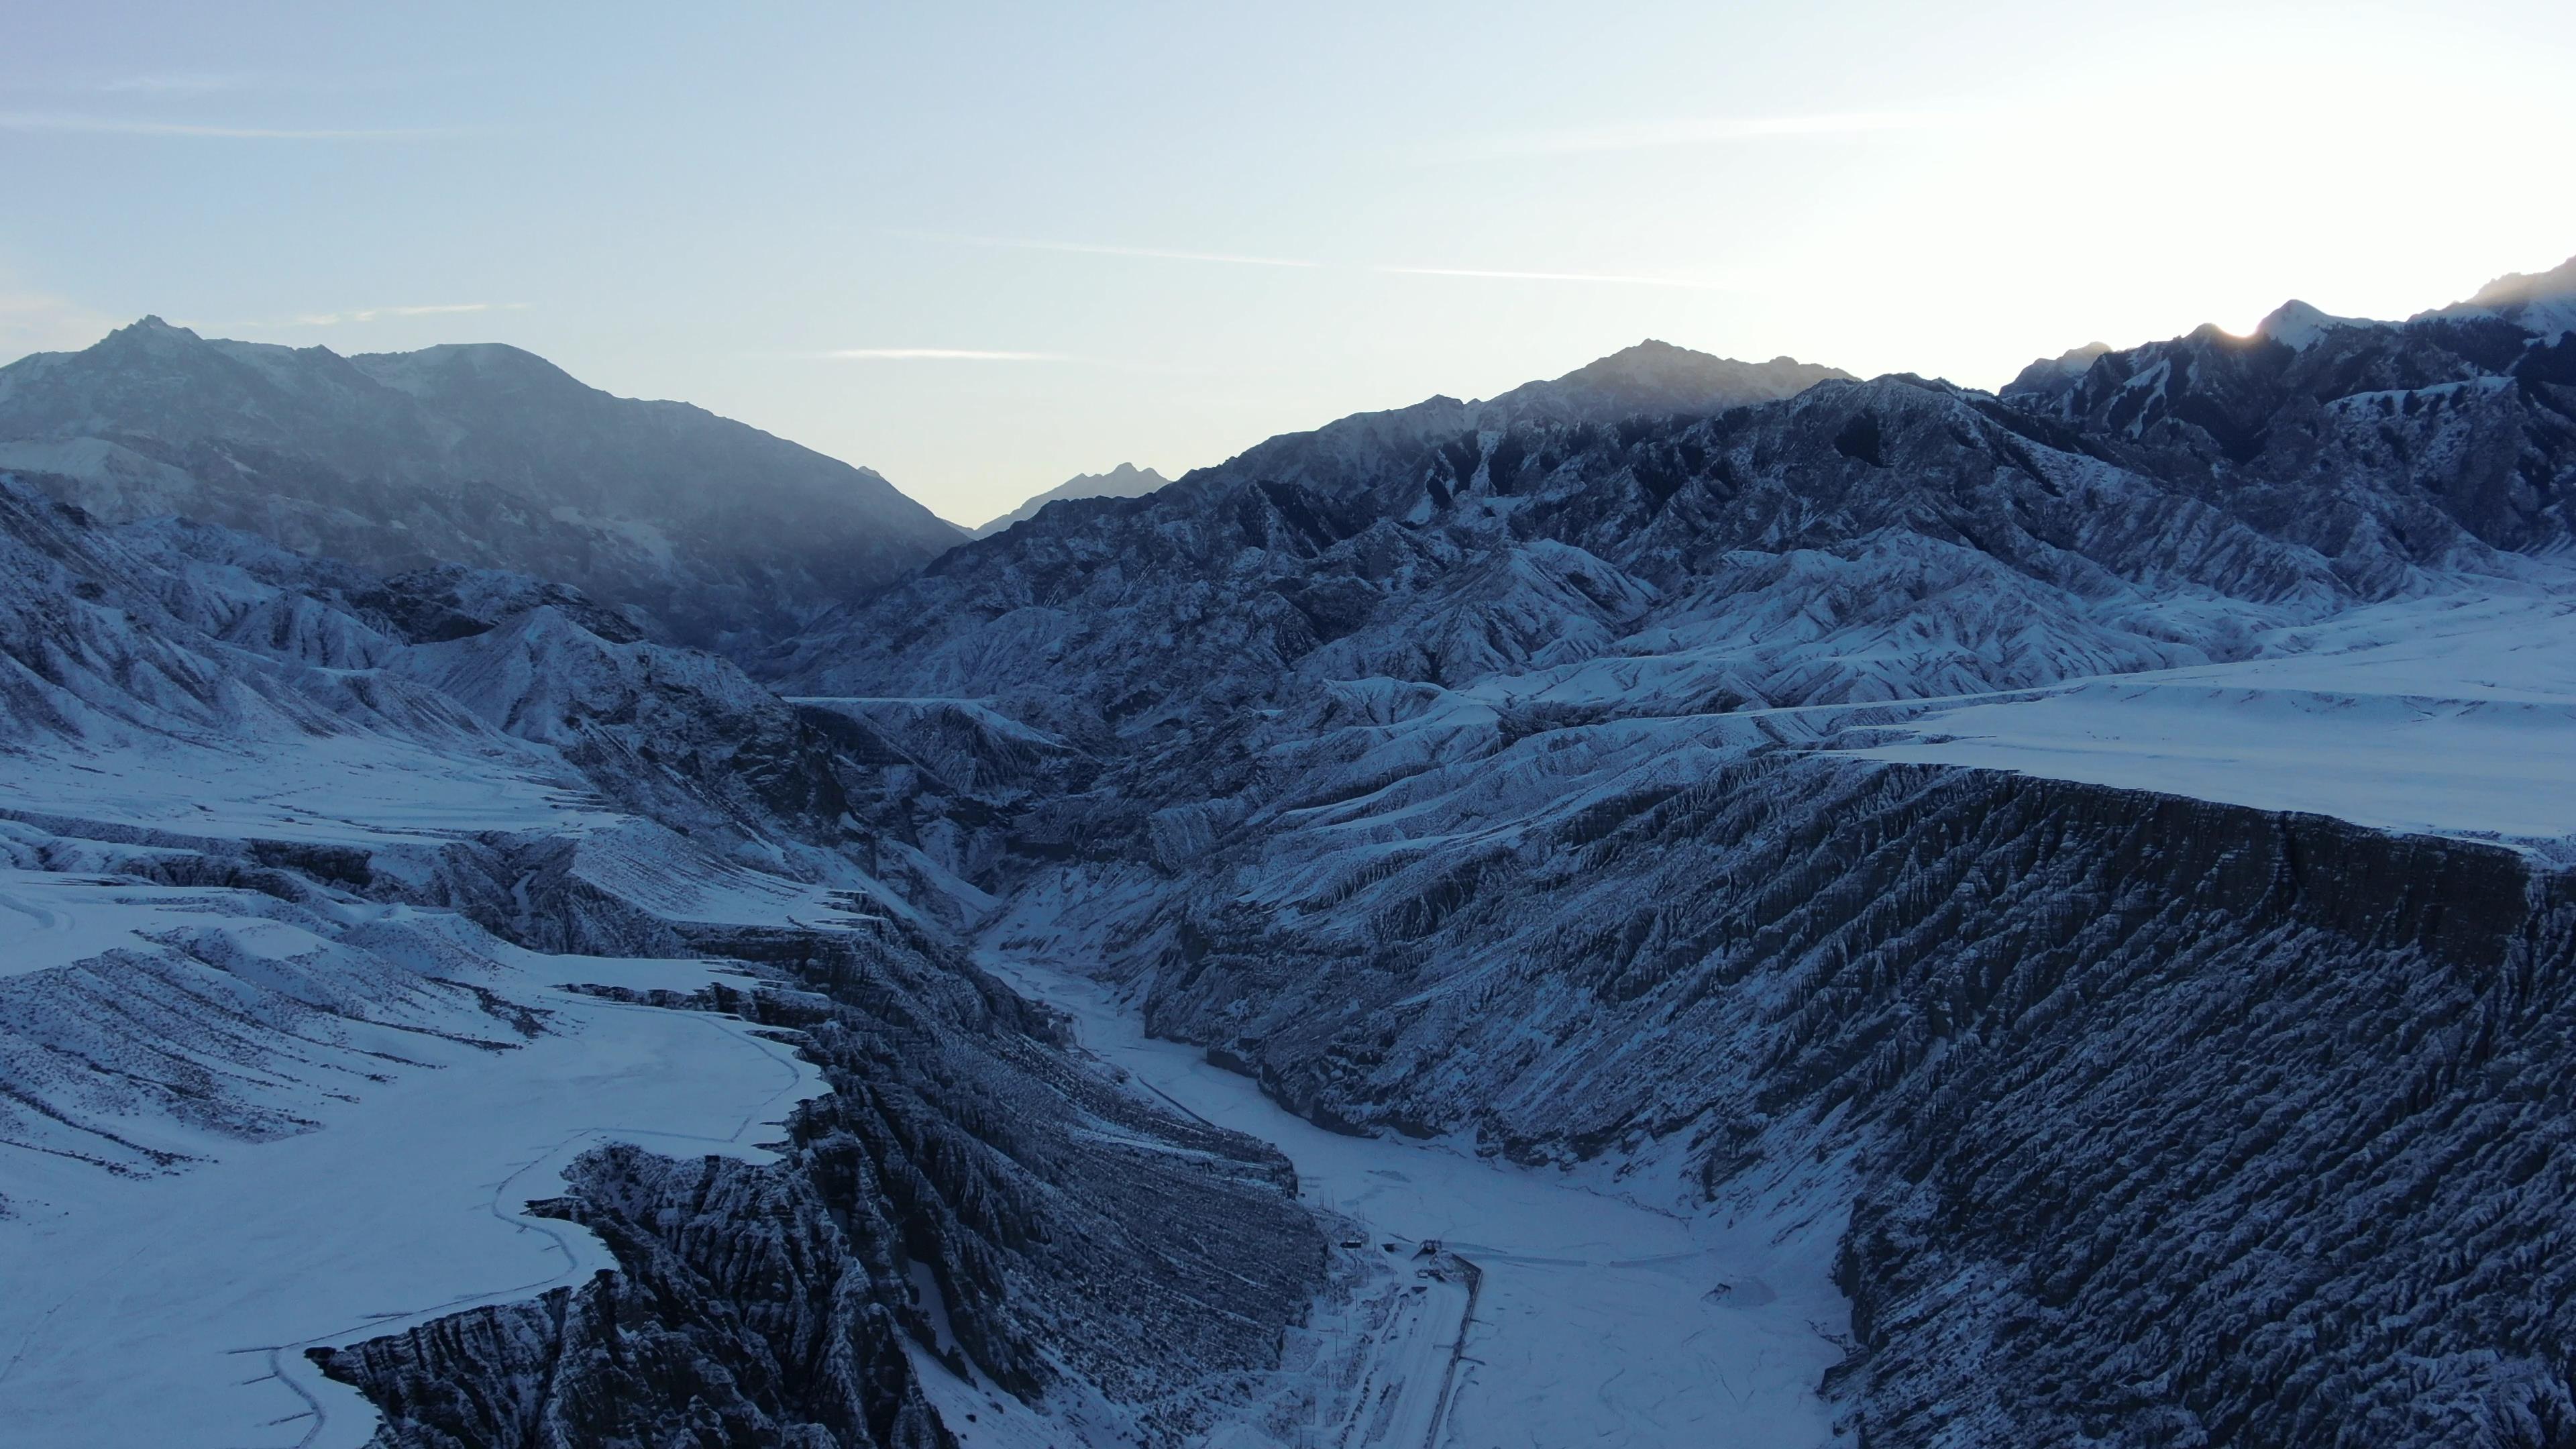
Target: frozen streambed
1601,1319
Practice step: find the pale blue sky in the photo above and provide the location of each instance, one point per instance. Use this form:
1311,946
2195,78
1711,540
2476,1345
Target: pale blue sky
710,203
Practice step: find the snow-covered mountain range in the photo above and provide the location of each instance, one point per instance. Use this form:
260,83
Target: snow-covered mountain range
722,535
1649,377
1691,902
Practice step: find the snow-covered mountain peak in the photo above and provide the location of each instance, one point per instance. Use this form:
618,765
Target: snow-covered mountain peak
148,326
151,338
2054,377
2298,326
145,339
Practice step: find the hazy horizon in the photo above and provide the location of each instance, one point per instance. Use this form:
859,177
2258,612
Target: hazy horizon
982,251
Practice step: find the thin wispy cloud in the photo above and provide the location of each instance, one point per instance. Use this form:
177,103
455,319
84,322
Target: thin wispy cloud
175,85
331,81
1165,254
1618,279
370,314
1689,131
938,354
123,126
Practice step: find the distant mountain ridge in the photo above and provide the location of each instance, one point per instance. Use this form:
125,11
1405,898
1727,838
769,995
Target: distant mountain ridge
1651,377
1658,377
483,454
2543,303
1124,481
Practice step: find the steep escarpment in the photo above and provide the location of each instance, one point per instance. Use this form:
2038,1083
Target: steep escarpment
2323,1201
965,1195
963,1189
742,1313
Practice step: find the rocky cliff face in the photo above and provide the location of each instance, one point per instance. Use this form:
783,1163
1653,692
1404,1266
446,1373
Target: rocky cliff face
742,1314
1064,1232
722,535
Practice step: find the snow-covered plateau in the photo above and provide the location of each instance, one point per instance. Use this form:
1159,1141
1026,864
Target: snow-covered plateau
1693,903
2441,715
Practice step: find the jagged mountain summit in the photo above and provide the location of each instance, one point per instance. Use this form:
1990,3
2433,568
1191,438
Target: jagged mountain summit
2539,305
2298,326
1124,481
481,455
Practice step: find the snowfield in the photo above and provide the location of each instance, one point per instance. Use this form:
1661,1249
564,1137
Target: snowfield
175,1309
349,787
2449,715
